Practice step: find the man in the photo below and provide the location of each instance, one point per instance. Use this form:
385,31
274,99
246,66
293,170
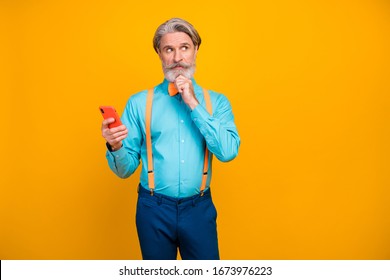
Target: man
174,208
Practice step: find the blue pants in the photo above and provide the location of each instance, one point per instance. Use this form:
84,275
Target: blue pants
165,224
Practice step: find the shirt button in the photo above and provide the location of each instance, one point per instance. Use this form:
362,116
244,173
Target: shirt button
182,121
182,161
182,140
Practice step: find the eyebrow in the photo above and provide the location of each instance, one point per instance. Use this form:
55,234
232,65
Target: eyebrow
181,45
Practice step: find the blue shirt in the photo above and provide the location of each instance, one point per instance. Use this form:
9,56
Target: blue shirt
179,136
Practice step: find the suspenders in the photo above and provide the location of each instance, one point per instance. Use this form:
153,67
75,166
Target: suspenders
148,116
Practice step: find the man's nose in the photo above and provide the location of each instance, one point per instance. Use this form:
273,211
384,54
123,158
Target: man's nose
178,56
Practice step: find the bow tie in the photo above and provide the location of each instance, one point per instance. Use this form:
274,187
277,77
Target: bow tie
172,90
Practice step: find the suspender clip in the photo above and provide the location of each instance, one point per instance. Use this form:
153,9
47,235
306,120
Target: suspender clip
201,192
151,192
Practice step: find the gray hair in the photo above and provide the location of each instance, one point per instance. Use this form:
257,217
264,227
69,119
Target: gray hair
176,25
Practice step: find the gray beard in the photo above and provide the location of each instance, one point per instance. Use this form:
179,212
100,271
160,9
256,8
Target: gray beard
171,74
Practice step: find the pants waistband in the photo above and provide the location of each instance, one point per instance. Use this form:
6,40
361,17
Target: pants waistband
161,198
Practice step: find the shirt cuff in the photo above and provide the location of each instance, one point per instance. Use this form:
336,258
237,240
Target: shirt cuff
118,153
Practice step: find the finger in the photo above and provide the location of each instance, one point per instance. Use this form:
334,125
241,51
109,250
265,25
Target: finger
182,78
180,85
110,133
123,137
106,122
179,77
117,140
119,134
122,127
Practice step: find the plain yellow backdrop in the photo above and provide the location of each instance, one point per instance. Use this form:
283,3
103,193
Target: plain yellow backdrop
309,85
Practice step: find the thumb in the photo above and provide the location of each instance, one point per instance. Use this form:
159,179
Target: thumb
106,122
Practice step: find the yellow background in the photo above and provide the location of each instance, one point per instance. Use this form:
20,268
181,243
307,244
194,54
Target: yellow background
309,85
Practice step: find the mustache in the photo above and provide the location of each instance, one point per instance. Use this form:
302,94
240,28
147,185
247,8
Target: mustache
181,64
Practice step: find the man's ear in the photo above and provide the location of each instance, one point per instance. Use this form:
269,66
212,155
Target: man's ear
159,53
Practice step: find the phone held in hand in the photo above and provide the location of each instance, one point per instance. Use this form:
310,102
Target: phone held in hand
110,112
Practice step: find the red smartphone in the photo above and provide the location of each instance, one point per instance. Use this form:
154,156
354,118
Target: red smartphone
110,112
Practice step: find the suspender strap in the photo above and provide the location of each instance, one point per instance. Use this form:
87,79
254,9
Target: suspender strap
148,116
206,152
148,119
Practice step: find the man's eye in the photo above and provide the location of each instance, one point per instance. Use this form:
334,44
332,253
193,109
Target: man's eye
184,48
